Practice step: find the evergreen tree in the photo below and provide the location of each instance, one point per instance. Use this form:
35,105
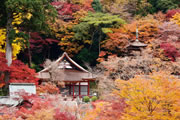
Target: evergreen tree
93,30
96,5
163,5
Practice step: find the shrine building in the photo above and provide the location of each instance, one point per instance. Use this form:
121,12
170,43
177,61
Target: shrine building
76,78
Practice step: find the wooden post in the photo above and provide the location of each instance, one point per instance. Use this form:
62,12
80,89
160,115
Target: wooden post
88,88
70,89
73,90
79,89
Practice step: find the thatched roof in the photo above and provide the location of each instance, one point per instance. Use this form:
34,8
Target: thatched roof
71,70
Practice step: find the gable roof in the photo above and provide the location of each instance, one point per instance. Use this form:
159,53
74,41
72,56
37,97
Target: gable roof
65,55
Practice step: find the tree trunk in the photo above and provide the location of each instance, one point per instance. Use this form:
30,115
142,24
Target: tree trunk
48,52
29,57
100,37
29,53
8,42
8,47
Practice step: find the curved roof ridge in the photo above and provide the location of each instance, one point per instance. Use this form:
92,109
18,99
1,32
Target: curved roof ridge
72,61
67,56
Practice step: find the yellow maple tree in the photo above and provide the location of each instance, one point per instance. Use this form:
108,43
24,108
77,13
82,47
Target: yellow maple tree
153,97
148,29
176,18
64,31
44,114
17,46
94,113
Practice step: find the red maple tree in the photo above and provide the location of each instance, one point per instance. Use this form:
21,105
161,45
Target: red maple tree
21,73
171,13
65,10
170,51
37,43
4,68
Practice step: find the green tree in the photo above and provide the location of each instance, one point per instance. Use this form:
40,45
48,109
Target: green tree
92,31
163,5
127,8
96,5
40,10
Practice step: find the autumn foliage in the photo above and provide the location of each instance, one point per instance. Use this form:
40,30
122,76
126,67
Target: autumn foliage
4,68
106,110
21,73
176,18
148,29
128,86
153,97
38,44
47,88
171,13
36,108
65,10
170,51
117,40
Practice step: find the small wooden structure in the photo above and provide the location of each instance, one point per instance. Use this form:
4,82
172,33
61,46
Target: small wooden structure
76,78
136,45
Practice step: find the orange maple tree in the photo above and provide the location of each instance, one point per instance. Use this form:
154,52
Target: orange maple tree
118,40
48,88
148,29
66,35
106,110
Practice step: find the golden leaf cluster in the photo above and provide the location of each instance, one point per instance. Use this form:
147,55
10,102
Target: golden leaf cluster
153,97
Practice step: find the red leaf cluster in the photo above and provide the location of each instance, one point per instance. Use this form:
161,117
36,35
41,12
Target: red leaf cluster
63,115
3,64
37,43
87,5
39,103
112,110
65,10
171,13
48,88
117,41
4,67
170,51
102,54
21,73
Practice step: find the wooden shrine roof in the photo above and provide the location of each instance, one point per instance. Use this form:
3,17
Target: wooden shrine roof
71,70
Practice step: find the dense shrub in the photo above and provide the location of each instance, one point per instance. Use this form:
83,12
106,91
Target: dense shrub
170,51
37,108
86,99
48,88
94,98
63,115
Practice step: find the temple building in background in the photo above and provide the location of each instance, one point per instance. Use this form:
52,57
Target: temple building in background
76,78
